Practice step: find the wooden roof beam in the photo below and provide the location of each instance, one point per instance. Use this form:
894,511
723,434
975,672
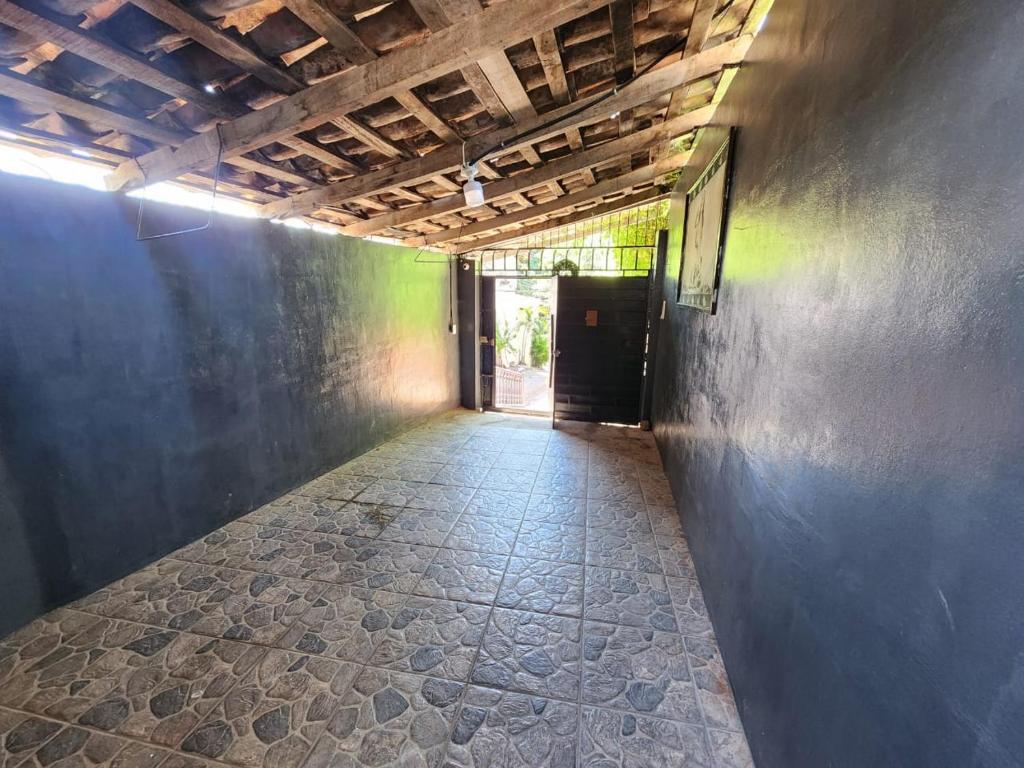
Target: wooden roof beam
650,86
647,174
400,70
551,171
223,45
338,34
91,46
322,21
647,196
438,14
24,89
546,44
623,45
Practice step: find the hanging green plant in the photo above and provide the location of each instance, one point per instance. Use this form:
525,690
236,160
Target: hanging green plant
565,266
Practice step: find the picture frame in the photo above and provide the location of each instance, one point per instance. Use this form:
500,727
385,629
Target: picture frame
704,227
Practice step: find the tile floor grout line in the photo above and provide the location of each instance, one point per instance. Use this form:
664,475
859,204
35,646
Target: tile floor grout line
611,453
583,619
100,732
689,668
362,666
476,655
406,597
135,739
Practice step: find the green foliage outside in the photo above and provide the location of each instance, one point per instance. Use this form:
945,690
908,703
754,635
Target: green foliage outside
540,351
525,342
503,344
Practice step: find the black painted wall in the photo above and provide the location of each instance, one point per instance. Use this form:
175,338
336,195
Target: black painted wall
150,392
468,291
846,437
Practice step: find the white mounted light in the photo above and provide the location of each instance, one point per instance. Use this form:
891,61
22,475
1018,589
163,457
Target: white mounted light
8,136
210,88
473,190
81,152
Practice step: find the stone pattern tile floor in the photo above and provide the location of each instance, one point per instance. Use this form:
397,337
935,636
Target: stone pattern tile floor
481,591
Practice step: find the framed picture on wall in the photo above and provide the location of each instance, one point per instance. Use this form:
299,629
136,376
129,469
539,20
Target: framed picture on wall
704,232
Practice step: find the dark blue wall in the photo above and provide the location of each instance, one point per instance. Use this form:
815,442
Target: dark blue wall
150,392
846,437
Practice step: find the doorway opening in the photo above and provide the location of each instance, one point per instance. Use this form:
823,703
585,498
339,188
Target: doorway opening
523,309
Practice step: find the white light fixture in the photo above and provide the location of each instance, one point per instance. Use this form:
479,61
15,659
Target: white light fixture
615,116
8,135
81,152
210,88
473,190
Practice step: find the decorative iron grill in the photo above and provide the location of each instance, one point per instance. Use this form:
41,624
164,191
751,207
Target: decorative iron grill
620,243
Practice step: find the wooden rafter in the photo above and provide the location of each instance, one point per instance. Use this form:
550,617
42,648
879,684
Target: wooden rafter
546,44
434,15
621,12
359,87
551,171
322,21
650,86
22,88
650,195
701,22
646,175
208,36
93,47
379,68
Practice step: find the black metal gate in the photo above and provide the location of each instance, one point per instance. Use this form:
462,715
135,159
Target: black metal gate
600,338
487,348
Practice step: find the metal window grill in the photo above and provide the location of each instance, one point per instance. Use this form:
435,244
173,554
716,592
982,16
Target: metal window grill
620,243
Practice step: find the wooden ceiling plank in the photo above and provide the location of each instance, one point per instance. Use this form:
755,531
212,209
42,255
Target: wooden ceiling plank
438,14
338,34
22,88
624,60
623,45
281,174
445,183
322,21
368,136
649,173
701,24
696,37
426,115
400,70
503,78
551,171
546,44
230,49
321,154
646,88
647,196
223,45
89,45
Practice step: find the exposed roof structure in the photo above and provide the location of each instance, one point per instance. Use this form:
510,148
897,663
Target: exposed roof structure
360,112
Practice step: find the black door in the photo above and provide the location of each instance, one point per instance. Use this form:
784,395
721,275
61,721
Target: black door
487,350
600,341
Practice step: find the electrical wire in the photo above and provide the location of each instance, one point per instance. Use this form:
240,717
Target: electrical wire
582,108
139,237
